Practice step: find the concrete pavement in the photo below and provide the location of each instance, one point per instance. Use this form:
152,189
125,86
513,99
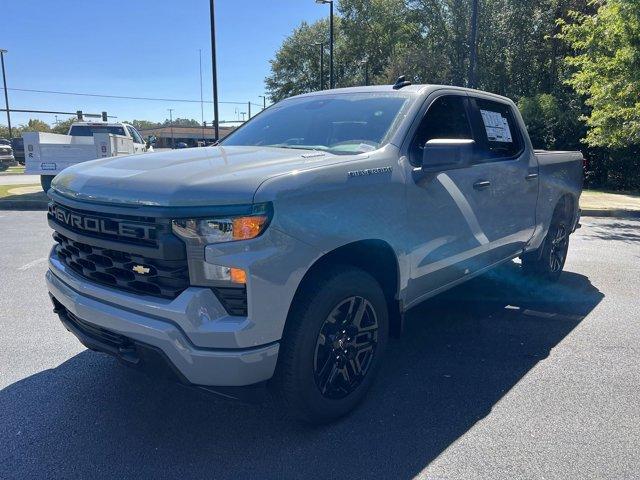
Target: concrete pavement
500,378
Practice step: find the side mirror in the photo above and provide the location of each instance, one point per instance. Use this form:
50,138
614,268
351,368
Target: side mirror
446,154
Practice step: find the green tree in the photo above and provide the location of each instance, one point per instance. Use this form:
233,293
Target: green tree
143,124
35,125
607,70
296,66
62,127
181,122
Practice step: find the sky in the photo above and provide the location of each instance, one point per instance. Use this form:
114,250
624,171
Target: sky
142,48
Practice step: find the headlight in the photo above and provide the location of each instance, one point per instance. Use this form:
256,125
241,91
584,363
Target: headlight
204,231
198,232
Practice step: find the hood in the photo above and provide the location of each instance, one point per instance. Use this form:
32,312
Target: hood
188,177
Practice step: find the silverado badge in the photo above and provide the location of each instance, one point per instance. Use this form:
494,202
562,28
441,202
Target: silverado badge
141,269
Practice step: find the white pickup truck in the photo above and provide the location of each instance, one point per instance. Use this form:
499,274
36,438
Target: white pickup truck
47,154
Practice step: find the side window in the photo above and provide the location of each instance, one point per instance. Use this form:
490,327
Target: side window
134,135
138,137
446,118
498,132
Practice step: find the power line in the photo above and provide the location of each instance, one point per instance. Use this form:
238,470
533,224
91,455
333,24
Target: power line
79,94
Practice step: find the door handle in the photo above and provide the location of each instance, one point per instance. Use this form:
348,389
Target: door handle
482,184
531,176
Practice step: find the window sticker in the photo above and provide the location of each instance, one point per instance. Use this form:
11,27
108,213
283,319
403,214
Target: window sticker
497,126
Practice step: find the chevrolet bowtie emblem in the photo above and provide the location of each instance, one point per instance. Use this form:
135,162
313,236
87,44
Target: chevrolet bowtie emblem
141,269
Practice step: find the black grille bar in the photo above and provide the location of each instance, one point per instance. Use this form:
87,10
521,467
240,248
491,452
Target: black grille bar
122,270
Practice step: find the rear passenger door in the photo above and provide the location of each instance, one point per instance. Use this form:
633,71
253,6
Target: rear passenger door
504,182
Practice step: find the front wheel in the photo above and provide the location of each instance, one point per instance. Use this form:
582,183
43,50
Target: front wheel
333,344
45,182
548,261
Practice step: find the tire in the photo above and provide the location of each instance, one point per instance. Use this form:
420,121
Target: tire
45,181
547,262
322,346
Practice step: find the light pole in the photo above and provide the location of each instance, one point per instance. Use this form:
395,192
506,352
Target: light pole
201,101
171,125
321,45
264,101
365,62
331,76
6,94
473,44
214,68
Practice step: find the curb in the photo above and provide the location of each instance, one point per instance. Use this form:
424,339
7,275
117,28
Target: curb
610,213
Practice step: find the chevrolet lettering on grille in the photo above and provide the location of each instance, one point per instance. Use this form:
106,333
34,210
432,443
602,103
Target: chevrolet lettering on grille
101,225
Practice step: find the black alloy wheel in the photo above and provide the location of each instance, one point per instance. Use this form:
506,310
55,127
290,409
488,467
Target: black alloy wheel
345,347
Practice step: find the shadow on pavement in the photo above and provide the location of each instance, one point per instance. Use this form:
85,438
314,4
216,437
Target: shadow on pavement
625,231
25,202
461,352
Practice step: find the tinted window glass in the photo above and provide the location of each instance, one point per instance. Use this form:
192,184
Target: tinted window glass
89,130
498,131
446,119
342,124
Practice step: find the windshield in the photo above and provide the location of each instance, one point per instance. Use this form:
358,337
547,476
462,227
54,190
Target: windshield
89,130
341,124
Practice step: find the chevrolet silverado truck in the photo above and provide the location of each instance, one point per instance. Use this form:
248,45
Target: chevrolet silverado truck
286,256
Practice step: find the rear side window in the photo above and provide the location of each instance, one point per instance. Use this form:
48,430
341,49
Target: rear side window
498,132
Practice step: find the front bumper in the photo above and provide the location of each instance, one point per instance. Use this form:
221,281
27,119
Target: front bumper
158,324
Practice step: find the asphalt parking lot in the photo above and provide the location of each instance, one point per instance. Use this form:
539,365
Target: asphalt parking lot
500,378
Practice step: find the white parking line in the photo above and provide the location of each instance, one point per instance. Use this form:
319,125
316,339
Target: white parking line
27,266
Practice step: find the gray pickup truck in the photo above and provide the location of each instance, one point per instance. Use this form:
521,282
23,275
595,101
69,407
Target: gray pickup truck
287,255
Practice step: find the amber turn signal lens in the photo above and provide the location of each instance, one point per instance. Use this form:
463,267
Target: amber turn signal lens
248,227
238,275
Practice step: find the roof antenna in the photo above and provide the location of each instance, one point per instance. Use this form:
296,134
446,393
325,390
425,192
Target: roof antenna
401,82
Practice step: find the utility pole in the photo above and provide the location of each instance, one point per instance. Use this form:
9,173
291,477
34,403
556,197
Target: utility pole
171,125
243,114
6,94
473,45
331,75
216,125
249,108
201,101
264,101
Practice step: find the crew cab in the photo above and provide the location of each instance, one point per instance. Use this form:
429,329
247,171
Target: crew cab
287,255
47,154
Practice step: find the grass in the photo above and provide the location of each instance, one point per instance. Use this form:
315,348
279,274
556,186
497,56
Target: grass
4,189
13,170
631,193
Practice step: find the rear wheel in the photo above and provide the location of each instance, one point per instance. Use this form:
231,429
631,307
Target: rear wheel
548,261
45,181
333,344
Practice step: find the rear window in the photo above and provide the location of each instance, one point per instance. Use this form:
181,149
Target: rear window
499,133
89,130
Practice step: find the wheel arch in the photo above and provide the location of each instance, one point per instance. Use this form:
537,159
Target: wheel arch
378,259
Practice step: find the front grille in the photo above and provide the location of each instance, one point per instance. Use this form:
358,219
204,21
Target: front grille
164,278
131,229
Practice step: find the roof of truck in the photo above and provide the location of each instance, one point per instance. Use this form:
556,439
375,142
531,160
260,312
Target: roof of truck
418,89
